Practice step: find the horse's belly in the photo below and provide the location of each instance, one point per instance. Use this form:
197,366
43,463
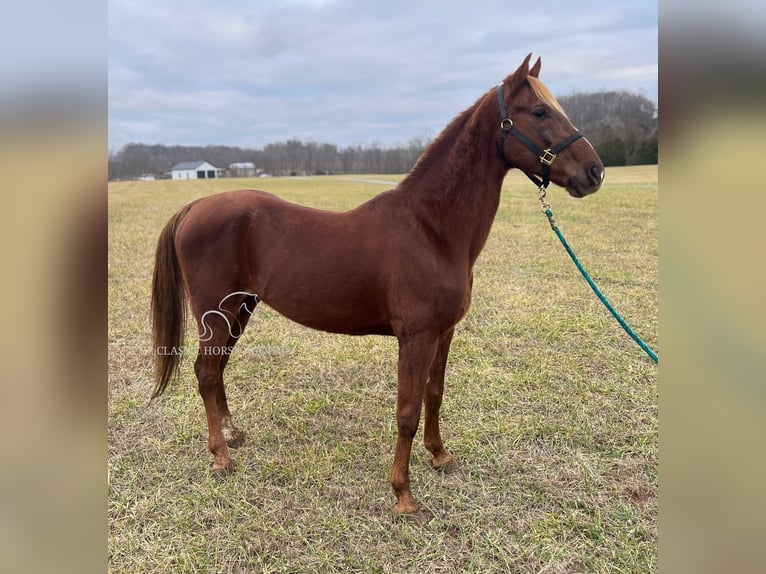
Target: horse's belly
334,316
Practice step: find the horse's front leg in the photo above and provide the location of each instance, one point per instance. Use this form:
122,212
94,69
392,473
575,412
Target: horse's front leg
442,459
416,354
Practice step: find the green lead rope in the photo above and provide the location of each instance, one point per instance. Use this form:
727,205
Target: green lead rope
549,214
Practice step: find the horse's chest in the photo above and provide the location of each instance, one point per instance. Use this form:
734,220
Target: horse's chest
451,304
465,304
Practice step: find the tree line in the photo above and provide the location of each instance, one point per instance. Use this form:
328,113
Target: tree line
621,125
292,157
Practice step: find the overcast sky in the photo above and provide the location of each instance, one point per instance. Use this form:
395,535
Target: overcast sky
247,73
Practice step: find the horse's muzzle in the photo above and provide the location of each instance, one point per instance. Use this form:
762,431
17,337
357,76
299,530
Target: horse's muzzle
587,183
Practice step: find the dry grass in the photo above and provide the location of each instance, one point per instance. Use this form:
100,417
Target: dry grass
549,406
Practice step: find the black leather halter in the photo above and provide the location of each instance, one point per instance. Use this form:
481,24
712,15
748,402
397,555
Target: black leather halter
547,156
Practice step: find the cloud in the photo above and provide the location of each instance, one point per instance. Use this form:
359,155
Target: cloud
348,72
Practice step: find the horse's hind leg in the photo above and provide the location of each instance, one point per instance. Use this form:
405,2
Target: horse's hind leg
234,436
219,331
208,370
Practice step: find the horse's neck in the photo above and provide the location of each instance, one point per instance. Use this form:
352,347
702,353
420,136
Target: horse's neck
457,181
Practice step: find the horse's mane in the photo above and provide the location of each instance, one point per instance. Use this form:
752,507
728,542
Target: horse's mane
543,93
448,135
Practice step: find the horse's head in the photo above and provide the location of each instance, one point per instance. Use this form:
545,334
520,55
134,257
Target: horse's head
544,142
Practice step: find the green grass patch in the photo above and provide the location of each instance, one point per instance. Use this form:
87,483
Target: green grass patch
549,406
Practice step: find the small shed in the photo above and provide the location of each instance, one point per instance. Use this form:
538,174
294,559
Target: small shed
195,170
242,169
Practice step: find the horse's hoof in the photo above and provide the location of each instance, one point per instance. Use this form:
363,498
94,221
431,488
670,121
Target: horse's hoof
220,471
235,438
410,511
446,464
418,518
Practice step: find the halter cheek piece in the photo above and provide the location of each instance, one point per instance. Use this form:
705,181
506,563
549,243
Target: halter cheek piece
547,156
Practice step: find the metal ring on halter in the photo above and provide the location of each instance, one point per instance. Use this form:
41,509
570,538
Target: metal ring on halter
506,124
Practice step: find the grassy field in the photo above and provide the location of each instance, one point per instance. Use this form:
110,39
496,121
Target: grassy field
550,408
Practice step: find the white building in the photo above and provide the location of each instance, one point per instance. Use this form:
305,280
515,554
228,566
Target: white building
195,170
242,169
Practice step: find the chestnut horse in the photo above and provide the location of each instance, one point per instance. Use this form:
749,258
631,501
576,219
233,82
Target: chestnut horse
400,264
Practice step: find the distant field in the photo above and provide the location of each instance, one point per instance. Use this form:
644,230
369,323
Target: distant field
550,408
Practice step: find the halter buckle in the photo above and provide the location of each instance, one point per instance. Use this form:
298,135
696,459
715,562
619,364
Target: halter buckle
506,124
547,157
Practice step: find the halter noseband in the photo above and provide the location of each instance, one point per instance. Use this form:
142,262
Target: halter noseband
547,156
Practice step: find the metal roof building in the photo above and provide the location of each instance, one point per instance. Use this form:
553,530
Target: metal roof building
195,170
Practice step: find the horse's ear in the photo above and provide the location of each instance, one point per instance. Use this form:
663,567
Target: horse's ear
523,70
534,71
520,75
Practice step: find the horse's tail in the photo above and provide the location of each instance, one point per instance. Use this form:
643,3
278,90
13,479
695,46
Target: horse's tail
168,306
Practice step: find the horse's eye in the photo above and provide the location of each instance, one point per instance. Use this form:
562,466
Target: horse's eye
541,113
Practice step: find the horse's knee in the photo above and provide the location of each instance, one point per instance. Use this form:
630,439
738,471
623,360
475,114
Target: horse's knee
433,400
407,421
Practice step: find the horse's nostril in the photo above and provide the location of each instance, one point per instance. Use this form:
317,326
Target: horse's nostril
595,174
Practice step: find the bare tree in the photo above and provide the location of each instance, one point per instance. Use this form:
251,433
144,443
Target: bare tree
604,116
